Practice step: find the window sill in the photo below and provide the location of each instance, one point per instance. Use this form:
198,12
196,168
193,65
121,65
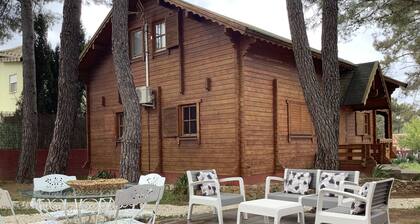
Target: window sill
188,139
159,52
136,59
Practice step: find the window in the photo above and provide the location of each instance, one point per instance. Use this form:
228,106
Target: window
160,36
120,125
136,43
189,120
367,124
13,83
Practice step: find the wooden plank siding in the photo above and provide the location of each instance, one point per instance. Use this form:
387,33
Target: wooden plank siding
237,81
217,116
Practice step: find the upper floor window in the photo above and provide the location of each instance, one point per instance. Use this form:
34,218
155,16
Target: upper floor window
189,120
136,43
367,124
13,83
160,36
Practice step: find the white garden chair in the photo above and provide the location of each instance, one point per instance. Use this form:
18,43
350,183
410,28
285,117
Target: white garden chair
217,201
150,179
135,199
55,208
377,211
6,203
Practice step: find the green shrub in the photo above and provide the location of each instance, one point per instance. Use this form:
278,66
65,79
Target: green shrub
398,161
181,186
381,172
103,174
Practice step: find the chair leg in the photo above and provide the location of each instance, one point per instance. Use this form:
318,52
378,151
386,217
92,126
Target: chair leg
277,219
245,216
238,218
302,217
190,209
214,211
220,215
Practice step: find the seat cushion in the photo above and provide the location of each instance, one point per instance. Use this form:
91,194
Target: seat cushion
284,196
311,201
377,216
230,198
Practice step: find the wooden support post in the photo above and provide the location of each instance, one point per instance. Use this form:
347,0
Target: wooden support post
160,137
275,134
181,52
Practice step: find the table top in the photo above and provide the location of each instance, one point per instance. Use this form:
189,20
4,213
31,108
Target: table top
69,195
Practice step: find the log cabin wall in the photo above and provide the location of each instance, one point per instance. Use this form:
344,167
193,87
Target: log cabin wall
263,65
208,55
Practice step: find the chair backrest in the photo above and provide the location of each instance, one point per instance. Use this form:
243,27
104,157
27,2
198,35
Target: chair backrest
136,197
313,172
52,183
192,177
381,193
352,176
153,179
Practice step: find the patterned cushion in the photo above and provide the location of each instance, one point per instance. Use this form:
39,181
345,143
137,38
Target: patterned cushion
359,207
297,183
207,189
331,181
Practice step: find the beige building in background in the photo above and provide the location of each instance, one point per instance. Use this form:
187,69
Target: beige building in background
11,79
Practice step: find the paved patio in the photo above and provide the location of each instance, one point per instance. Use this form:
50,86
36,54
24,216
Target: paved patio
229,217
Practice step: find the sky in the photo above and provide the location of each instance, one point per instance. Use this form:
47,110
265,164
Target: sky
270,15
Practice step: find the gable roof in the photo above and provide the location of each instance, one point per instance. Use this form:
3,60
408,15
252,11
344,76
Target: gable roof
355,85
11,55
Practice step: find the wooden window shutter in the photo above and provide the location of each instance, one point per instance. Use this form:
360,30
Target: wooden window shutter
299,120
172,30
170,122
360,123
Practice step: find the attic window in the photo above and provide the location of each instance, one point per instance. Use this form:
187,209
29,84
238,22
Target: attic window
136,43
160,36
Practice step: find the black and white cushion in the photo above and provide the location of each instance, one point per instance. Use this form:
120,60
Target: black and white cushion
207,189
331,181
359,207
297,183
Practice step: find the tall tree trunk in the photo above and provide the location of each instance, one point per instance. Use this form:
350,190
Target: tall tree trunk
321,95
68,87
26,169
131,139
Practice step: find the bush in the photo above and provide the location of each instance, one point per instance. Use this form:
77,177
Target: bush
411,139
181,186
381,172
103,174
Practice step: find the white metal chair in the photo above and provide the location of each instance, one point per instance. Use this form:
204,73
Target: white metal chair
377,211
218,200
6,202
55,209
135,198
150,179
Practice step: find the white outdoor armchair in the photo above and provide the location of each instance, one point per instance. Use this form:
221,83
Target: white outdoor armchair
135,198
377,211
217,201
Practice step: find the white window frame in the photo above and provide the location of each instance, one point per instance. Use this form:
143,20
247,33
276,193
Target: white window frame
15,83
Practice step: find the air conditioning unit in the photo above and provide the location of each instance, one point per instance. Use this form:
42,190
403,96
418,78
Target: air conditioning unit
145,95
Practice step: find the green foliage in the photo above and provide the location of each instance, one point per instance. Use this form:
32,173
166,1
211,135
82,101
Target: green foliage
402,113
413,166
9,19
381,172
411,139
179,195
103,174
10,135
398,161
181,186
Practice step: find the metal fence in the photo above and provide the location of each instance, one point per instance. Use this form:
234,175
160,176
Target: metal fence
11,131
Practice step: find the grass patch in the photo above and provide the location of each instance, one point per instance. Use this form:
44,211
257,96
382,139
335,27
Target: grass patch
170,197
18,192
18,211
410,166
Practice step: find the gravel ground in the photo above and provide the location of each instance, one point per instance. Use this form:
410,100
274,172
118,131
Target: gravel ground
177,211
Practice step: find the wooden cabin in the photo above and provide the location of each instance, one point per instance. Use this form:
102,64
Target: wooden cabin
225,95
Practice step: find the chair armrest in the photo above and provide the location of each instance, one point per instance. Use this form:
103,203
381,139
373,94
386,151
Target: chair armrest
305,196
236,179
350,186
322,193
268,183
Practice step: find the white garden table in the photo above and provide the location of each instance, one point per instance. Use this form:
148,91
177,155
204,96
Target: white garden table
271,208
